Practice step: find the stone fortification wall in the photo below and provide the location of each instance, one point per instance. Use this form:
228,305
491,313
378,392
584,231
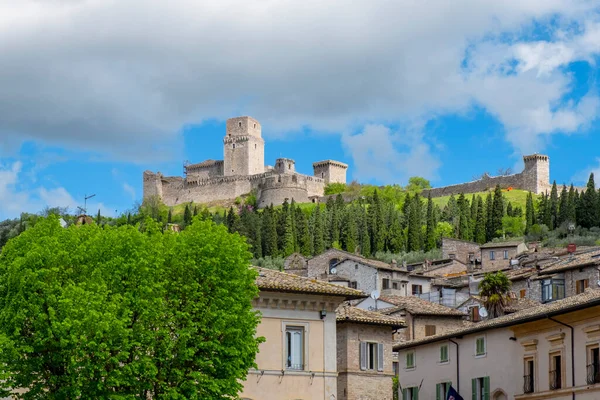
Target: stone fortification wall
204,170
276,189
152,184
314,186
204,191
330,171
486,183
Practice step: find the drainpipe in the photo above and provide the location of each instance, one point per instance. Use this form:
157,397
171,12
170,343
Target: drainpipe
572,352
457,367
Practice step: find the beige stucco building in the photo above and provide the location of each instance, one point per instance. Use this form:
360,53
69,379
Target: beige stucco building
298,359
546,352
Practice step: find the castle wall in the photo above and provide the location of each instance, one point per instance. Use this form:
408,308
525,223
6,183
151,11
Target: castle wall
315,186
152,184
244,155
481,185
277,188
330,171
202,173
223,188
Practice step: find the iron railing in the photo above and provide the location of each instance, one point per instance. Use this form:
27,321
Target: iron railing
555,380
593,373
528,384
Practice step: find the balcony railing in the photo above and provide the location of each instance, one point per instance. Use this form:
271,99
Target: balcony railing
555,380
593,373
528,384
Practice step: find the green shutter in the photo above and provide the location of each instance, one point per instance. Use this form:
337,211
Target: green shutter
437,391
404,394
416,393
486,387
474,388
448,384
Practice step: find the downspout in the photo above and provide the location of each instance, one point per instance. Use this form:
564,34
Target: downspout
572,352
457,366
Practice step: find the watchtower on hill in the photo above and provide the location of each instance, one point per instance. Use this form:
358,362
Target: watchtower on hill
330,171
536,175
243,147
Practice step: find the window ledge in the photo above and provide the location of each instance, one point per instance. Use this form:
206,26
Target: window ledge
443,362
481,355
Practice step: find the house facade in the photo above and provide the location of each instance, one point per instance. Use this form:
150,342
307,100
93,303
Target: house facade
544,352
298,359
462,250
364,354
499,255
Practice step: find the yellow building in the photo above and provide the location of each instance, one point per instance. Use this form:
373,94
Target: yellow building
298,359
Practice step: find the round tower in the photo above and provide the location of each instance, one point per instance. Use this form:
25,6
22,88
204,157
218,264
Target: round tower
243,147
275,189
285,166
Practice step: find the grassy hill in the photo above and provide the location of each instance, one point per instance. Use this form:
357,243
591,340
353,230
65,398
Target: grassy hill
518,198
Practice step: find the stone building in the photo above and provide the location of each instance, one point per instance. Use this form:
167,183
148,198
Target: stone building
364,353
497,256
242,171
298,359
462,250
535,178
359,272
548,351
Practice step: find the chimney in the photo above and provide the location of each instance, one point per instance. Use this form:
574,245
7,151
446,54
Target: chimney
394,264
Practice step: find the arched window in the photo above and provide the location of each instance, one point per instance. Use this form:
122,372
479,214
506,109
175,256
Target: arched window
240,124
234,145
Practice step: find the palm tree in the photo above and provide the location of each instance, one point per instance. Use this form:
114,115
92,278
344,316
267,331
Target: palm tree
494,290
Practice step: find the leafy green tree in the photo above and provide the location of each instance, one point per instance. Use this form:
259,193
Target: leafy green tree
417,184
335,188
494,290
170,216
513,226
92,313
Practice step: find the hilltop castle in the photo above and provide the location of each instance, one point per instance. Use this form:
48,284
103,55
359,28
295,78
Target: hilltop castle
243,170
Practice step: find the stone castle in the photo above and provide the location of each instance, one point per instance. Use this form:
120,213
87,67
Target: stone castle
535,178
243,171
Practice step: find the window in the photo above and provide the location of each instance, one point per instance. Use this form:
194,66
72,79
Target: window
294,347
528,376
444,353
254,126
395,368
417,290
523,293
452,256
471,256
553,289
322,175
581,285
593,364
353,285
480,346
395,285
333,261
474,312
506,254
410,360
240,124
255,146
492,257
555,371
385,283
234,145
429,330
441,390
481,388
371,356
411,393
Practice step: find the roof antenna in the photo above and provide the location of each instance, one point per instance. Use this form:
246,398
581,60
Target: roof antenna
85,199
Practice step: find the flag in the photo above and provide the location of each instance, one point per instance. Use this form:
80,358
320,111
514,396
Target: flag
453,394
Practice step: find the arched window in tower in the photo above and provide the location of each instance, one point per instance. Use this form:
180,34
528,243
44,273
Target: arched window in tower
289,166
234,145
254,126
322,174
255,146
240,124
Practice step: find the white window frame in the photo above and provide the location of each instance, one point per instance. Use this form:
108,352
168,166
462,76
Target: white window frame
447,360
492,255
294,324
484,347
505,254
367,348
414,360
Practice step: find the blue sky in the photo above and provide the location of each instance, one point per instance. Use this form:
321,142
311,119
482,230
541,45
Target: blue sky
445,91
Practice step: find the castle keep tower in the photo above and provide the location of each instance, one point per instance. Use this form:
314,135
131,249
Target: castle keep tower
331,171
243,147
536,175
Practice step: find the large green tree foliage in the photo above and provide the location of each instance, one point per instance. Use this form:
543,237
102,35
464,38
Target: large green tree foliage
98,313
494,290
589,211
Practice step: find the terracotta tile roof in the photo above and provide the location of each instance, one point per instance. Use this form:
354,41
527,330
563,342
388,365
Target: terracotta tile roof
451,267
520,273
519,304
417,306
492,245
590,298
591,257
347,313
367,261
274,281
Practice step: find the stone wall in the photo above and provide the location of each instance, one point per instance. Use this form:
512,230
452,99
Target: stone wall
223,188
330,171
152,184
417,323
461,249
354,383
277,188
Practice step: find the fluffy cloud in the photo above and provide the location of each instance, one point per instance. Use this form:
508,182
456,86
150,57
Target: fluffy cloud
109,75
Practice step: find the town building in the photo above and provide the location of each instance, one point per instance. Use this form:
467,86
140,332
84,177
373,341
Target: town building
298,359
364,353
496,256
550,351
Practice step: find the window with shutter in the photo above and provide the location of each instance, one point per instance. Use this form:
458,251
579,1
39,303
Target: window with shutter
379,356
444,353
480,346
410,359
480,388
363,355
429,330
411,393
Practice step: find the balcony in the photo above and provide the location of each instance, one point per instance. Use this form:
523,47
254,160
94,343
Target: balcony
555,380
593,373
528,384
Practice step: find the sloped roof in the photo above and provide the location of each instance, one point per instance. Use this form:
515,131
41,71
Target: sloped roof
575,261
492,245
590,298
347,313
417,306
274,281
367,261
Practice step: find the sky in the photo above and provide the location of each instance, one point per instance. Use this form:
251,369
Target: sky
94,92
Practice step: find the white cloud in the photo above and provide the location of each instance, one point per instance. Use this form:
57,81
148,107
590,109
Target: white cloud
135,78
583,176
129,190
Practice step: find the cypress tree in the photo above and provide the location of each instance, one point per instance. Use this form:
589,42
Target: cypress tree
318,240
563,206
547,212
187,215
489,209
350,230
365,239
98,218
480,231
509,209
553,206
464,218
128,218
377,231
195,210
170,216
269,232
430,229
572,205
529,213
589,203
414,225
305,245
288,241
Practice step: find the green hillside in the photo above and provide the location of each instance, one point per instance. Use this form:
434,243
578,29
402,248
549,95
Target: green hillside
518,198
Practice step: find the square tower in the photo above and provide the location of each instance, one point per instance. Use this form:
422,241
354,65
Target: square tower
243,147
536,175
331,171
